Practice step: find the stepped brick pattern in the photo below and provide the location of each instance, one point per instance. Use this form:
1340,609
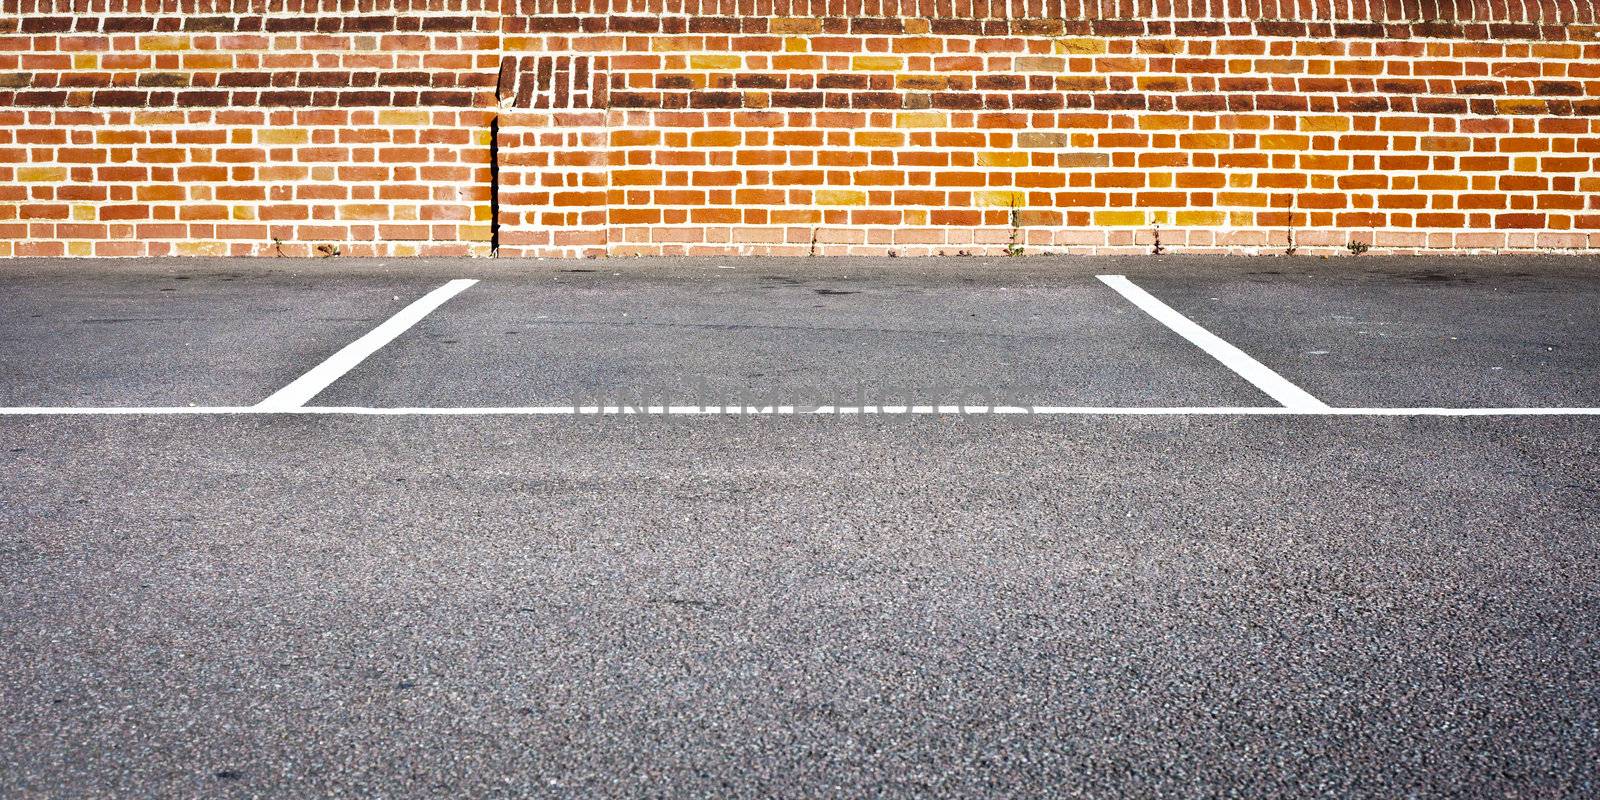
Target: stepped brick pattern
796,127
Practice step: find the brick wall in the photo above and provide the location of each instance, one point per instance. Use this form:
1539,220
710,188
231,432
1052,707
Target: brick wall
797,126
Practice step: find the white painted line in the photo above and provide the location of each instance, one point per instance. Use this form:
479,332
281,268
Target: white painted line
309,385
702,411
1276,387
128,411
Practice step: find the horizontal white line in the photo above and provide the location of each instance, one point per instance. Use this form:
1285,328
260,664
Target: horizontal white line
1233,358
701,411
309,385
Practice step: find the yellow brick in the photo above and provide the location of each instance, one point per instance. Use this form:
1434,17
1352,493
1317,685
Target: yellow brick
1080,46
201,248
1002,159
85,61
475,233
839,197
203,61
1284,142
282,136
877,63
164,43
403,117
796,44
144,118
364,211
715,62
1199,218
1119,218
1250,123
80,249
1243,199
41,173
1324,123
1204,141
999,199
1164,122
920,119
675,44
243,212
880,139
83,213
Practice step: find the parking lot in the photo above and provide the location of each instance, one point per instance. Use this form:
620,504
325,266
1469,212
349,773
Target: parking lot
800,527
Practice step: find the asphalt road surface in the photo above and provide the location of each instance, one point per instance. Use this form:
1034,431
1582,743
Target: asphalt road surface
1161,597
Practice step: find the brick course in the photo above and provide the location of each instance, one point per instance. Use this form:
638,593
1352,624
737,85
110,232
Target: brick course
266,127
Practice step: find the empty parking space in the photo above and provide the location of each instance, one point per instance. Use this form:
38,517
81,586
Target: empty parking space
1410,333
178,338
714,337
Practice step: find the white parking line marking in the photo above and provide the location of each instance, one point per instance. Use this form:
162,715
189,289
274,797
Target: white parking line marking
701,411
1276,387
309,385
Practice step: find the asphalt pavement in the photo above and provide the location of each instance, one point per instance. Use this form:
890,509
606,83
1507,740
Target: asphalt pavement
1101,605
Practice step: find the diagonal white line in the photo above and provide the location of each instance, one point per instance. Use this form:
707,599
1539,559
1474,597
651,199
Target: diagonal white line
1276,387
312,383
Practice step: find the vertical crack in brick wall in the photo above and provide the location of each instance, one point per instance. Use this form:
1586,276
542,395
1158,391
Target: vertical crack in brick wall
494,185
598,127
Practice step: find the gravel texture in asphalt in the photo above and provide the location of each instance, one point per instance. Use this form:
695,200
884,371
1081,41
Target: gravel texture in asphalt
275,606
